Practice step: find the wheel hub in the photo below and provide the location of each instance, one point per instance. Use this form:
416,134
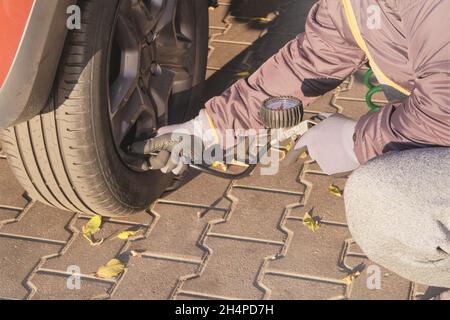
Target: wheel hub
150,58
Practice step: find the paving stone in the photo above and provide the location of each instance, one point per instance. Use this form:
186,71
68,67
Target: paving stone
54,287
230,57
178,231
88,258
11,193
257,215
7,215
232,270
393,287
202,189
422,292
313,254
192,298
217,15
320,105
42,221
241,30
287,179
289,288
353,109
320,200
148,278
18,258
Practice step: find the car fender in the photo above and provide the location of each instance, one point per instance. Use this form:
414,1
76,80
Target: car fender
27,85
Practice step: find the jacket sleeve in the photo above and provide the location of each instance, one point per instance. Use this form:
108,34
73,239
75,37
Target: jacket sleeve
314,63
424,118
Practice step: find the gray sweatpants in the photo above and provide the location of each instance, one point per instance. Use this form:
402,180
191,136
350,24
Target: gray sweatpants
398,211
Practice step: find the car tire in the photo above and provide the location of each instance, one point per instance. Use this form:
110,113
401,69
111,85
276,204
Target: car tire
65,156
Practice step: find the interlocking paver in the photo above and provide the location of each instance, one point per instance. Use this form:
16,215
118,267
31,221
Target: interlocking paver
150,278
202,190
256,215
18,260
295,288
43,222
232,269
374,281
314,254
168,238
319,199
85,256
54,287
287,180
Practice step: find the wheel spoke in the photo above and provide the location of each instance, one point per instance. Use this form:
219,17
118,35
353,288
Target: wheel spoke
182,81
161,88
146,14
123,86
126,116
173,40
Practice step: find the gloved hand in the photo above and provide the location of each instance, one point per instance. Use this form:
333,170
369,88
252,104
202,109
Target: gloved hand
331,143
179,144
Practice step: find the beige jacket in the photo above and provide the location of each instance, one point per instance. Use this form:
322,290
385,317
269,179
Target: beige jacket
412,48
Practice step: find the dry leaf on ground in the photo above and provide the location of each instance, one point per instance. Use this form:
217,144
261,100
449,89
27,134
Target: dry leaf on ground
304,155
91,228
312,223
335,190
124,235
111,270
351,277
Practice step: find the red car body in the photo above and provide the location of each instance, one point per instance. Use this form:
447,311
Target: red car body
13,20
32,34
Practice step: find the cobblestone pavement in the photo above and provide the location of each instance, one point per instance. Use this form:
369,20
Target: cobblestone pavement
211,238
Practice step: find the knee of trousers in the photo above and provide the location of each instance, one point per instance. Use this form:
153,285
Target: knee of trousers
399,214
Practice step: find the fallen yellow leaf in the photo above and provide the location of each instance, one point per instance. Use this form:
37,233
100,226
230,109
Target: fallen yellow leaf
111,270
335,190
92,227
304,155
313,224
220,166
351,277
124,235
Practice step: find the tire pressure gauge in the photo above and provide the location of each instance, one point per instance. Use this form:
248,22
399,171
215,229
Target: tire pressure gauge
281,112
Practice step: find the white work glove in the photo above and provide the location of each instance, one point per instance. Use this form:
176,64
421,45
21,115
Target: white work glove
180,144
331,143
